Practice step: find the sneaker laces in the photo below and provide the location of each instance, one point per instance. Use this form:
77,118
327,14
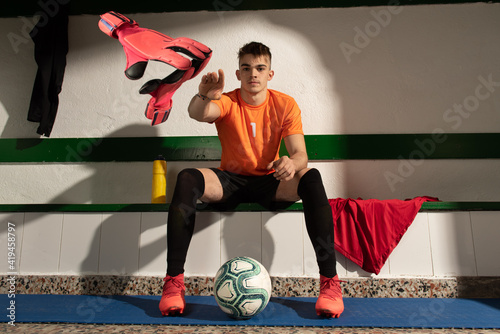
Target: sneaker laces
331,288
173,285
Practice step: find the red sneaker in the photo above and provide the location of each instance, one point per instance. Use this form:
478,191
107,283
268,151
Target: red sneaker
329,303
172,300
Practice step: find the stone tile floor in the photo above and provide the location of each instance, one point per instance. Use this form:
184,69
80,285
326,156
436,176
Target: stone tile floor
149,329
449,288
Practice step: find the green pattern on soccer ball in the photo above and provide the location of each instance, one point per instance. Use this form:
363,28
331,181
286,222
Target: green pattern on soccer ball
233,296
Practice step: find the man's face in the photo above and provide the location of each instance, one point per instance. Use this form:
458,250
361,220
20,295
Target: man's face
254,73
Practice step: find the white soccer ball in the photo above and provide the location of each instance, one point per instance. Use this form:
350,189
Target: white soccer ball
242,287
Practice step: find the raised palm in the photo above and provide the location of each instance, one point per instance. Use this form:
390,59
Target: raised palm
212,85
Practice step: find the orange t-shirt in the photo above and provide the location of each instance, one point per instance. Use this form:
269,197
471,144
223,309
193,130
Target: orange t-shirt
250,136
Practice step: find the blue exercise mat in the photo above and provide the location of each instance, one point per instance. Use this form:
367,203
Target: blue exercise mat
293,311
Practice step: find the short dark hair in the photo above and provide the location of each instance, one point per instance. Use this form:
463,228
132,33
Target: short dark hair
254,48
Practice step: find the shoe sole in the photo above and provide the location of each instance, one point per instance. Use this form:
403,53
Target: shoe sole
327,314
173,311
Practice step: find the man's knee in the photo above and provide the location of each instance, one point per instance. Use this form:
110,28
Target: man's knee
213,188
311,187
191,178
311,175
302,172
189,174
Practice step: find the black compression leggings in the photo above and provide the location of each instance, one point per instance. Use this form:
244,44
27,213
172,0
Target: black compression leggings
319,221
181,218
190,187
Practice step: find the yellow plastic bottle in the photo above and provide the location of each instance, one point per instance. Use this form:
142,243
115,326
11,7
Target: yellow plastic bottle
159,188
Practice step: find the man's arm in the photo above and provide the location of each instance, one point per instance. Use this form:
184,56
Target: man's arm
201,108
286,167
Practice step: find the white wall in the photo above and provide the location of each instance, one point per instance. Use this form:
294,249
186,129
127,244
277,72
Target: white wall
414,69
436,245
352,70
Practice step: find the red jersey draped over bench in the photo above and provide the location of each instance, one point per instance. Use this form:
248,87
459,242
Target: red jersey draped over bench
367,231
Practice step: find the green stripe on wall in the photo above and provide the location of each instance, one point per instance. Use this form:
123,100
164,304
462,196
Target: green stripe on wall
207,148
48,7
426,207
109,149
404,146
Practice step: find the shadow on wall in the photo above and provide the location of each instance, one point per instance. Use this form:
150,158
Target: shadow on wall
102,183
105,181
17,50
111,233
352,77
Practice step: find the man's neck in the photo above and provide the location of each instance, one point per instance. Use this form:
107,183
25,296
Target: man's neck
254,99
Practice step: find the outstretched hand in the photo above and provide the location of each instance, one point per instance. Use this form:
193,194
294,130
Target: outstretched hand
212,85
284,168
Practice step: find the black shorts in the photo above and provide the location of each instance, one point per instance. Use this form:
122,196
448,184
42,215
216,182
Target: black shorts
248,189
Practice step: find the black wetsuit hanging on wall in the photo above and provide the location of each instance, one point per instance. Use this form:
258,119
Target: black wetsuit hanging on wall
50,36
